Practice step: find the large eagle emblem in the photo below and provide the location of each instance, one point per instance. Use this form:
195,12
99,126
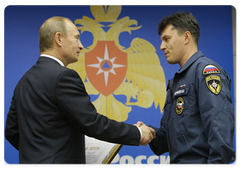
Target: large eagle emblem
113,72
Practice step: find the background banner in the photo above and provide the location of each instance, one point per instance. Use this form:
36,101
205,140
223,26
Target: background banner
122,66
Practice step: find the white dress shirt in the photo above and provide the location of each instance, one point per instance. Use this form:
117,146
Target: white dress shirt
54,58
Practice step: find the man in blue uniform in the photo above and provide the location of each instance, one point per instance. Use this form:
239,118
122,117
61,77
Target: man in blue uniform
198,121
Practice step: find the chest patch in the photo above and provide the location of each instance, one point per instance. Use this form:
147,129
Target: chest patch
214,83
179,105
210,69
179,92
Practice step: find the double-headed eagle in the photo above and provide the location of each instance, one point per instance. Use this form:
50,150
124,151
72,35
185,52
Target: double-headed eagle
141,79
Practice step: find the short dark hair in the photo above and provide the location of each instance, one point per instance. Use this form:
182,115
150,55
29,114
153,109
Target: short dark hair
182,22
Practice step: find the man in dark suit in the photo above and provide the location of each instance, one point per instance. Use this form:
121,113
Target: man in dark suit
51,111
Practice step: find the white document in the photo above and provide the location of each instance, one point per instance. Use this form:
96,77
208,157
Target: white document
100,152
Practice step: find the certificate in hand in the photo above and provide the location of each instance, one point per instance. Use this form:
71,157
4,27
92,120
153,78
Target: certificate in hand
100,152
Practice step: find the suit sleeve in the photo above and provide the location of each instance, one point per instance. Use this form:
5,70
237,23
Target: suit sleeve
215,105
75,104
11,129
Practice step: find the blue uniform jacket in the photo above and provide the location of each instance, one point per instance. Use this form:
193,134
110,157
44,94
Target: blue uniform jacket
198,121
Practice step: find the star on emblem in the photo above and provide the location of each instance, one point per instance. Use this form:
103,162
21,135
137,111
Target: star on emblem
214,85
106,65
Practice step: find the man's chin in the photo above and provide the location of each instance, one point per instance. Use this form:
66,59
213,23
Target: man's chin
75,59
171,62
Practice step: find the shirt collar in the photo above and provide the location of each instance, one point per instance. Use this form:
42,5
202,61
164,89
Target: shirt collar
54,58
191,60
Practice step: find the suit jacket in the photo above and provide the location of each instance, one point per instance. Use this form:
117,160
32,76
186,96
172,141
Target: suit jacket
51,112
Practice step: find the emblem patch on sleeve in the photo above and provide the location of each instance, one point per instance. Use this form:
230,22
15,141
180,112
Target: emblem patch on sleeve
210,69
214,83
180,105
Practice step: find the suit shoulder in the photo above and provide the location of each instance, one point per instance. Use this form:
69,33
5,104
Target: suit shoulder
66,70
69,75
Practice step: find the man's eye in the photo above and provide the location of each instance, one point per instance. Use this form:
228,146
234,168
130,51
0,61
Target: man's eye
166,39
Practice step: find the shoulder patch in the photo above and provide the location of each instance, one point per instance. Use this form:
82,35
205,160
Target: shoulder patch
210,69
214,83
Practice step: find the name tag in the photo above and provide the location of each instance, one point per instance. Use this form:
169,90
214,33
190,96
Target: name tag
180,93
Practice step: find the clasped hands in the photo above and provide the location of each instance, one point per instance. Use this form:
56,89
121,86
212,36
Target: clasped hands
148,134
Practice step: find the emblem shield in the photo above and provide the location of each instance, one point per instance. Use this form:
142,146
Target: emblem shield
214,83
106,67
179,105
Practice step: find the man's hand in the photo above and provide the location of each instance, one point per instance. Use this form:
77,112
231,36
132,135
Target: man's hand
148,134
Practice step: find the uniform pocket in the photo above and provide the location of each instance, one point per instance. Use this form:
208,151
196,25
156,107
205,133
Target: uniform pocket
180,144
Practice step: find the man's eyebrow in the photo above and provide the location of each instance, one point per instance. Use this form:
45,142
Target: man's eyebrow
164,37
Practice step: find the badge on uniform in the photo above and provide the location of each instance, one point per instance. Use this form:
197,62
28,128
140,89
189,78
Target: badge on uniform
214,83
210,69
180,105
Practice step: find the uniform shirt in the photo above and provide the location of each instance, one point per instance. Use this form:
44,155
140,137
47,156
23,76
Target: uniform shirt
198,121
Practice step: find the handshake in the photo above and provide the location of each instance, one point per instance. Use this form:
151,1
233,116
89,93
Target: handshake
148,134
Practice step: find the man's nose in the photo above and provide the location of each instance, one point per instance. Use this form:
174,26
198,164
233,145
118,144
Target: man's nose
162,46
80,46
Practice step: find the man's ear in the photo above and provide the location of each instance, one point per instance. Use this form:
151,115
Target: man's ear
187,37
58,39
